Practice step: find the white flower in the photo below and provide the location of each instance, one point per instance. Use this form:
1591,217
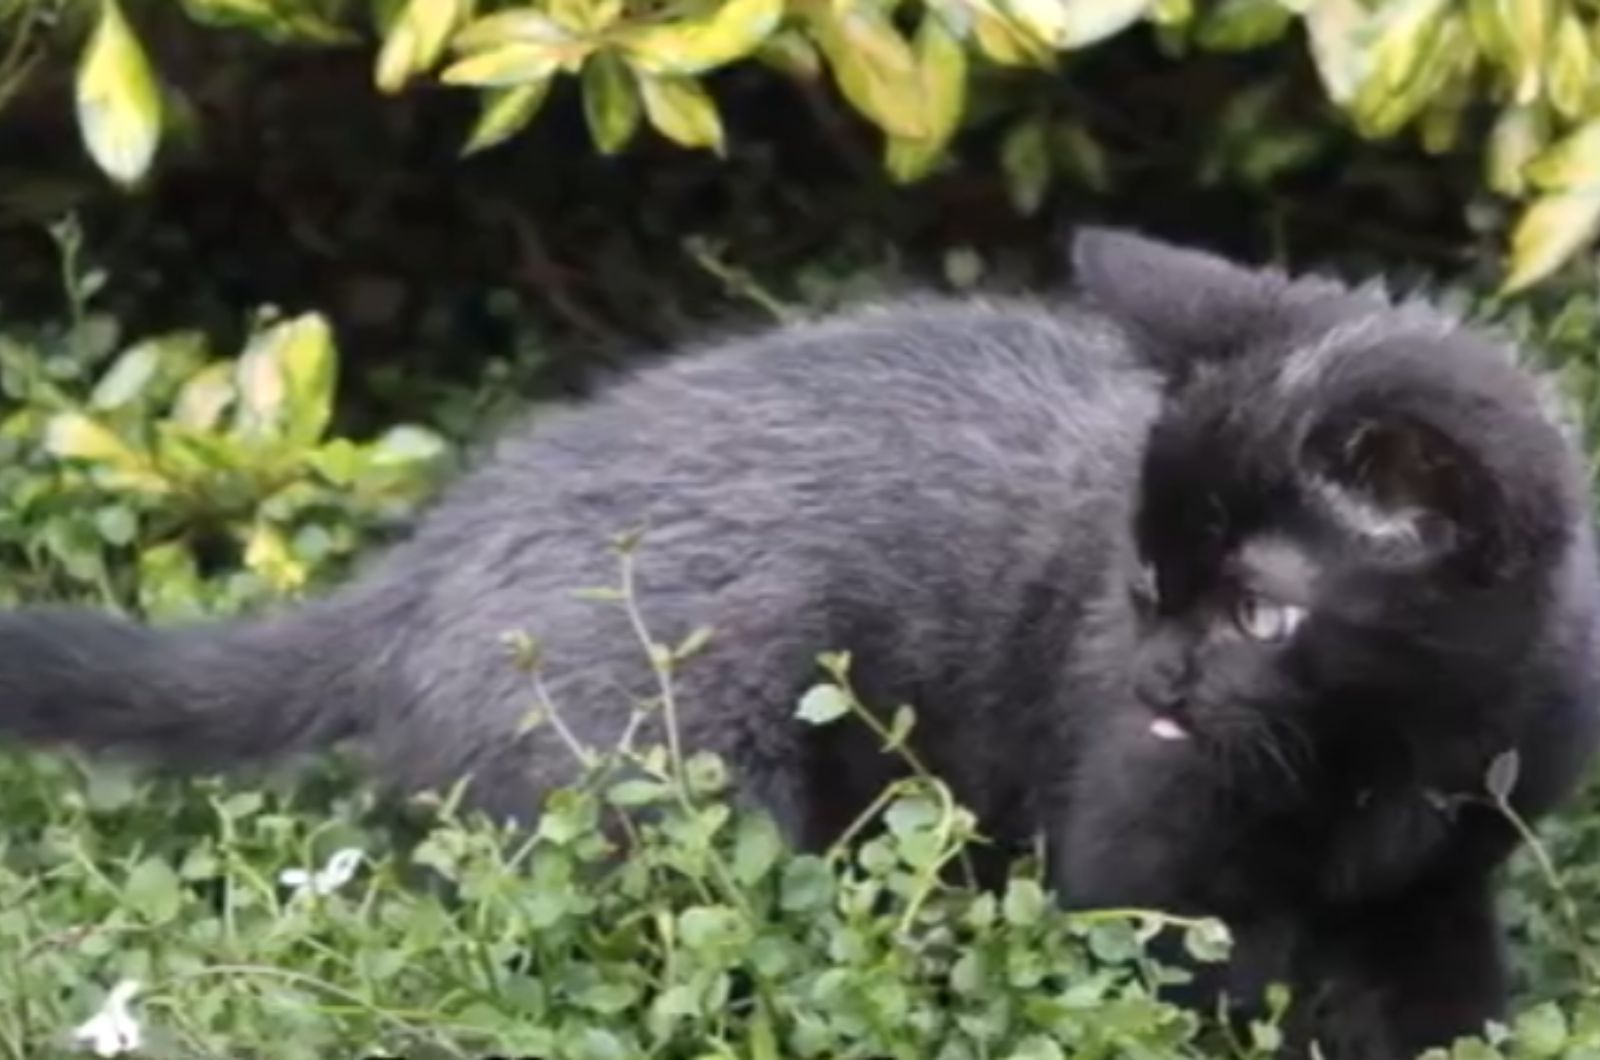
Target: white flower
112,1031
340,870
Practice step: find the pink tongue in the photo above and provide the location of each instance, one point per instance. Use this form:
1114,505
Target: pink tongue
1167,729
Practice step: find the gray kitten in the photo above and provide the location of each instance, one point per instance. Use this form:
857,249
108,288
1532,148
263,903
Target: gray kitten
1229,584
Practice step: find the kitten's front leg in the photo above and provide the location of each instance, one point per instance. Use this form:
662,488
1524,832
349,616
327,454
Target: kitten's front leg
1140,829
1414,973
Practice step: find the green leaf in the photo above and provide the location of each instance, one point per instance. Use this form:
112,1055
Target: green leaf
504,113
1518,136
118,524
1572,67
153,891
128,376
807,885
415,40
406,446
1338,33
942,72
638,793
756,848
118,99
1541,1031
873,66
1066,24
1025,157
823,704
1501,779
732,30
709,927
1208,940
610,102
1240,25
1024,904
1549,232
76,436
682,111
1570,164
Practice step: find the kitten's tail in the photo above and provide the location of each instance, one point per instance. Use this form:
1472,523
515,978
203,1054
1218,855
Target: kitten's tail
199,698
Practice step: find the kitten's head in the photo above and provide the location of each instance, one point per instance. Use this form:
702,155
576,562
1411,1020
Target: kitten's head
1349,511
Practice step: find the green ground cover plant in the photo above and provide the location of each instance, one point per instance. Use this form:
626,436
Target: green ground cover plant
300,915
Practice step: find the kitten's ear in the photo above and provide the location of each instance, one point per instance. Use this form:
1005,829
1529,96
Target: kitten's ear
1178,298
1406,483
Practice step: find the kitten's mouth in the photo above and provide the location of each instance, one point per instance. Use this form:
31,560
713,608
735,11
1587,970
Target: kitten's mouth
1164,728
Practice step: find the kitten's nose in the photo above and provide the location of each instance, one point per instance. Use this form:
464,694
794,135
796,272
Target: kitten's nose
1159,683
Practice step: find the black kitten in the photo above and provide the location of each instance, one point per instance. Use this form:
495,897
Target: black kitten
1230,585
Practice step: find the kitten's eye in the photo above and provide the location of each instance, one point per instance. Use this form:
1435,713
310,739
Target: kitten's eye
1266,620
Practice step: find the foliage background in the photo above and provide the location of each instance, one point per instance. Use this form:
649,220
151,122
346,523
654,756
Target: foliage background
255,298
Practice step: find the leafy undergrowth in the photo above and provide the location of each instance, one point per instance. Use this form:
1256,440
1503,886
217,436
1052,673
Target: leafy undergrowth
646,916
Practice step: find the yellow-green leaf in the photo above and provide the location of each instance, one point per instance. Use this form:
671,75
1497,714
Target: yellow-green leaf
1075,23
585,16
1519,134
505,67
310,367
204,397
1239,25
610,102
791,53
1572,67
1416,52
1006,42
1338,30
873,65
1550,231
504,113
118,99
1486,18
1445,113
1570,164
942,71
267,554
285,380
417,40
1402,35
75,436
682,110
521,25
732,31
1530,25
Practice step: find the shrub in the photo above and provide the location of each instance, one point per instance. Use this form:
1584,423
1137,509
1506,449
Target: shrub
1516,82
158,476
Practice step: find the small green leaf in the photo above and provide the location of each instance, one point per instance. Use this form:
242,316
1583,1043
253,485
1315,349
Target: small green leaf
128,376
505,112
1208,940
823,704
1541,1031
153,891
1067,24
1501,779
682,111
756,848
638,793
610,102
1025,157
1024,903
